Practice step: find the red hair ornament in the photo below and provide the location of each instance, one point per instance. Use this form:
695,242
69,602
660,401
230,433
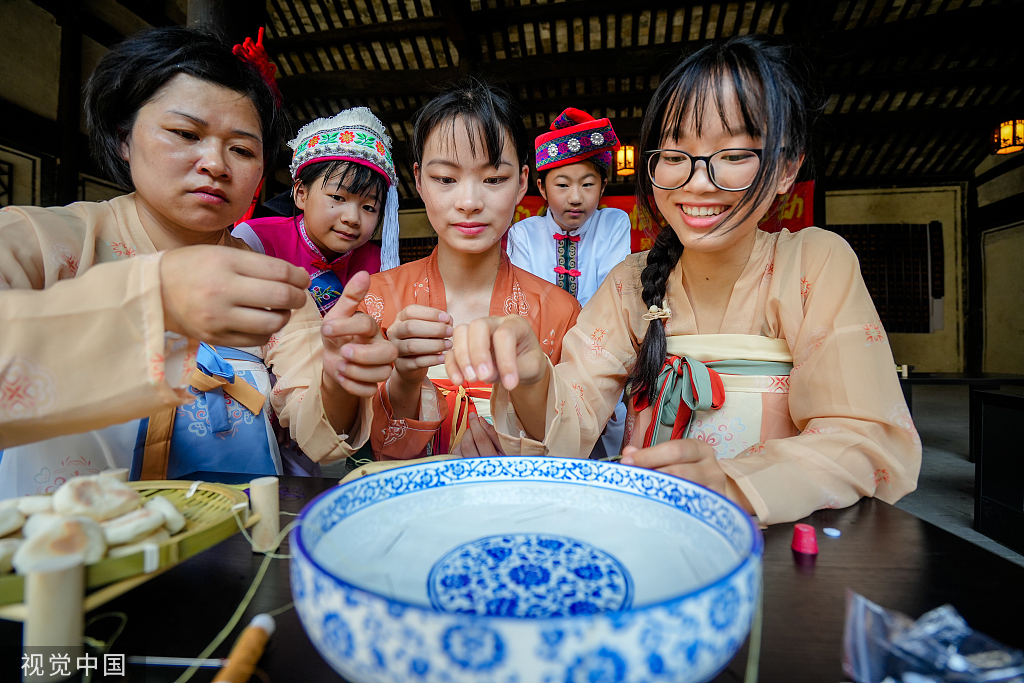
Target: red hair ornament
255,54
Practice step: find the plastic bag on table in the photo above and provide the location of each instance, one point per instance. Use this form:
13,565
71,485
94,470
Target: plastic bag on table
882,646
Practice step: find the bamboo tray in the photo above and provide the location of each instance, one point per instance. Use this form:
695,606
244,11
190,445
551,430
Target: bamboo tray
209,520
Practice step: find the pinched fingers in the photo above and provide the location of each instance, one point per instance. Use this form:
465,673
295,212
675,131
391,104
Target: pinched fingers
421,347
262,294
481,349
505,347
339,328
456,362
669,453
261,267
419,330
423,313
479,439
362,366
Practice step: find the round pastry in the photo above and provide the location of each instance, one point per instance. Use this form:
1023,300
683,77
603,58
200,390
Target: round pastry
38,522
61,545
173,519
7,548
30,505
10,521
95,496
158,537
131,527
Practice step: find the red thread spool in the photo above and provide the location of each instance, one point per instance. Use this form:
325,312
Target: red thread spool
804,539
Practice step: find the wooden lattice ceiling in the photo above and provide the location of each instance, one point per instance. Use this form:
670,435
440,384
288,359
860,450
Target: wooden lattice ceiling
914,86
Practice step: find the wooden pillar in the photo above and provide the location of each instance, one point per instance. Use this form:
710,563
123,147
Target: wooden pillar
233,19
69,102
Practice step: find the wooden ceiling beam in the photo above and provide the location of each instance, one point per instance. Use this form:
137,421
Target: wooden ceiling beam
574,9
85,22
151,12
910,35
615,63
924,119
464,25
920,80
335,37
463,30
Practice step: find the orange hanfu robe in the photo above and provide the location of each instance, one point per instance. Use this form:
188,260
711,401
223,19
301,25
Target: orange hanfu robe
444,409
805,410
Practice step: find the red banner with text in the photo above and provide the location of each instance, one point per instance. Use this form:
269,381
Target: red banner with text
795,213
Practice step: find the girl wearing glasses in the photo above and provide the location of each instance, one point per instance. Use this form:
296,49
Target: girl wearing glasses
755,363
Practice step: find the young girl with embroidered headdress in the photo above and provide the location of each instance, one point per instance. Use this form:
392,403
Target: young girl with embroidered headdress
469,152
137,332
344,185
755,363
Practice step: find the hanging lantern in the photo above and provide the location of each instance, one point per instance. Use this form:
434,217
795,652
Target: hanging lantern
1008,137
624,160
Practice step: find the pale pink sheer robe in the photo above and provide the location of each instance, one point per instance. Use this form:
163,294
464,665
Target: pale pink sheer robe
838,430
83,343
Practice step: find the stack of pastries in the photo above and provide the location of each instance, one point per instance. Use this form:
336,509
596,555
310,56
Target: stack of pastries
86,519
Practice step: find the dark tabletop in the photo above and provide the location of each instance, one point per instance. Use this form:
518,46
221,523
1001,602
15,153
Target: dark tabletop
889,556
974,379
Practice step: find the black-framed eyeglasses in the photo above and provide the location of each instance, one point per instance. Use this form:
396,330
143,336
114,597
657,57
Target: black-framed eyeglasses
732,170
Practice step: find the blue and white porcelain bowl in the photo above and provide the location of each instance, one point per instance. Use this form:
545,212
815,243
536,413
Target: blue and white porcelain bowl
521,570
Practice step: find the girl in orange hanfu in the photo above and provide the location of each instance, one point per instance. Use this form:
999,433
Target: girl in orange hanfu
469,147
755,363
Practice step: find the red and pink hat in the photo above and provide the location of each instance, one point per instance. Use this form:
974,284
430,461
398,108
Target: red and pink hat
577,136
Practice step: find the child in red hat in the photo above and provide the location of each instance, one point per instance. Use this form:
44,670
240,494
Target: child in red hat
575,244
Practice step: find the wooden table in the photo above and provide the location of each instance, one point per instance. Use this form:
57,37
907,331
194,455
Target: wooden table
886,554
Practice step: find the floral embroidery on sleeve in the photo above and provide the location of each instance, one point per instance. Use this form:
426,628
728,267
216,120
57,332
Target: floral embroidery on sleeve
548,343
156,368
873,333
65,260
374,306
121,250
395,431
594,348
516,303
26,389
421,287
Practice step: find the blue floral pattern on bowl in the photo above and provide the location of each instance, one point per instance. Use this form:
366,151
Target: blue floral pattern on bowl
369,637
529,576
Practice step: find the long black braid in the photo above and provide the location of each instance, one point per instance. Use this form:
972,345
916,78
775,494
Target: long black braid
661,260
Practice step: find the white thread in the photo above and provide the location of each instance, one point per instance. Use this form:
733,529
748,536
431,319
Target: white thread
239,506
192,489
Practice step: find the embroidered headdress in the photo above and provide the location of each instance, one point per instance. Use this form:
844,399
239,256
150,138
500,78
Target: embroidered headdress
358,136
577,136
